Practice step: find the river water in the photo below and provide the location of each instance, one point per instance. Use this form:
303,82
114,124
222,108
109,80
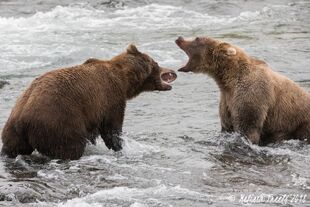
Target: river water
174,153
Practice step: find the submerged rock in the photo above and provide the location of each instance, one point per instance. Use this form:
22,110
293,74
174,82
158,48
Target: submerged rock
3,83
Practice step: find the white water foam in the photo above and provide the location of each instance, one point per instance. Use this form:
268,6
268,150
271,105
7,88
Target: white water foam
136,196
51,174
38,40
3,173
136,204
131,148
155,15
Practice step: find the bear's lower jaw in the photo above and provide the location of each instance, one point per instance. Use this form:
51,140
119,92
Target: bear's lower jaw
184,69
164,87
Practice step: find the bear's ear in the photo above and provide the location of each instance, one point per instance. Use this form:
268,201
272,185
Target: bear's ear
132,49
231,51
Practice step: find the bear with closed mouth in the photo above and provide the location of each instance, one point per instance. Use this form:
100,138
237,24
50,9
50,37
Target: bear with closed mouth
255,101
64,109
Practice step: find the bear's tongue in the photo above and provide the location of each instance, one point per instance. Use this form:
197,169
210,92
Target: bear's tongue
168,77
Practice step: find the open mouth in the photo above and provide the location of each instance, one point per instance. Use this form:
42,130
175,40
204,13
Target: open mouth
167,78
182,45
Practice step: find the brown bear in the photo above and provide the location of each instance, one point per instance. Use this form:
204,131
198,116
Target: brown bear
255,101
63,109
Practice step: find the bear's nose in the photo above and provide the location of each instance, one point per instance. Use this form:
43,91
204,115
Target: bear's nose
179,40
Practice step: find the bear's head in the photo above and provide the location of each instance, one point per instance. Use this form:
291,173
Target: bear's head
143,73
207,55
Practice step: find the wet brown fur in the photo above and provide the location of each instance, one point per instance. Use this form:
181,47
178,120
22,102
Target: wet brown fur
63,109
254,100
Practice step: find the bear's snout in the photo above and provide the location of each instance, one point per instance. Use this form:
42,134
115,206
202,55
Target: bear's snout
180,42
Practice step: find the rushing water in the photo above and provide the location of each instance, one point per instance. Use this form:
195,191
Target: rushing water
174,153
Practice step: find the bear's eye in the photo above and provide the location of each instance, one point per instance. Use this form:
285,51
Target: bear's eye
156,65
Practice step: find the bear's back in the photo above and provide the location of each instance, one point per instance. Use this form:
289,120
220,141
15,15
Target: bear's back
76,93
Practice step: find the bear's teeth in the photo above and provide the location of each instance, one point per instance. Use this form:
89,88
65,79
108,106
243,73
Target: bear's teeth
168,77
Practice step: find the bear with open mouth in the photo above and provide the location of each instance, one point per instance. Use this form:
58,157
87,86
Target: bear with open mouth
255,101
63,109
